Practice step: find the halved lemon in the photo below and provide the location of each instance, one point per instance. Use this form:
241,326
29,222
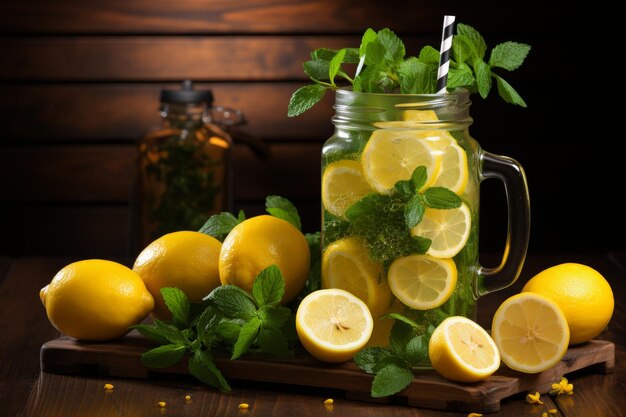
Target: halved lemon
343,184
346,265
531,332
447,229
393,155
461,350
333,324
422,281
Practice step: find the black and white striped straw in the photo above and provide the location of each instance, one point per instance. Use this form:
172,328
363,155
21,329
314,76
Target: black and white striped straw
444,58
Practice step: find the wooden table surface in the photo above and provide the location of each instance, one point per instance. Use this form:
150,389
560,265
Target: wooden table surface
24,390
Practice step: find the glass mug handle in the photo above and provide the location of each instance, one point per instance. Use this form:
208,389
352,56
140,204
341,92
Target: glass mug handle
511,173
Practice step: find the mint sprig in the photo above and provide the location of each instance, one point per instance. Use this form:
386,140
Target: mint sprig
382,67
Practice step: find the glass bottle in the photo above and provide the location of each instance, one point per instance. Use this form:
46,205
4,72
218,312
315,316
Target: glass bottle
185,166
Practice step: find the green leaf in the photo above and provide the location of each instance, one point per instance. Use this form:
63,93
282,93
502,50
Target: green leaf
420,244
509,55
247,335
202,367
394,47
405,188
220,225
274,317
483,77
375,53
233,302
284,209
241,216
474,39
402,318
314,278
369,36
414,211
441,198
163,356
401,334
429,55
461,50
317,69
228,330
417,350
304,98
323,54
335,64
462,76
273,342
371,358
208,323
170,333
390,380
507,92
178,304
268,287
352,56
415,77
419,177
151,332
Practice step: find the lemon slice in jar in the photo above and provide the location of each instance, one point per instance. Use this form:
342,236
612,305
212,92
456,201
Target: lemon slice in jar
393,155
531,332
460,350
448,230
421,281
333,325
346,265
343,184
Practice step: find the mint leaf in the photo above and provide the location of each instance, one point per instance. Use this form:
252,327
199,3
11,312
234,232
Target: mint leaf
233,302
507,92
317,69
220,225
414,211
268,287
368,37
394,47
483,77
228,330
151,332
335,64
314,278
405,188
208,323
304,98
390,380
247,335
170,333
415,77
402,318
509,55
420,244
371,358
284,209
461,76
178,304
324,54
429,55
163,356
274,317
273,342
461,50
417,350
441,198
419,177
474,39
352,56
202,367
375,53
401,334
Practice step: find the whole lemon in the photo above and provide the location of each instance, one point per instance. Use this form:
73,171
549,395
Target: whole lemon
186,260
583,295
259,242
96,300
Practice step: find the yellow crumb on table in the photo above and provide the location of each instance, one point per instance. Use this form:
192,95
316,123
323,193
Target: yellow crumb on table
329,401
187,397
244,406
552,411
534,398
474,415
108,387
161,404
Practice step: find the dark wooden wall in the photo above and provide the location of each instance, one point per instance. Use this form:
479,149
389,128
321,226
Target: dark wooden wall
79,85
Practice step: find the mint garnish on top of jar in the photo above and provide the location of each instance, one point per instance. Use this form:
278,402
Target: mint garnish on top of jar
383,68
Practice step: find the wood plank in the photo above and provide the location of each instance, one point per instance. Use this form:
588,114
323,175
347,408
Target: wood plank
255,16
49,173
96,112
428,389
5,264
162,58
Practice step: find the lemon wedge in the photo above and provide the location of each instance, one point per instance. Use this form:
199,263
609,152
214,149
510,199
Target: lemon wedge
531,332
448,230
346,265
393,155
461,350
333,324
343,184
422,281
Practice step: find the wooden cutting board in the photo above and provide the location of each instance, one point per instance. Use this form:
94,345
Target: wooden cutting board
428,390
